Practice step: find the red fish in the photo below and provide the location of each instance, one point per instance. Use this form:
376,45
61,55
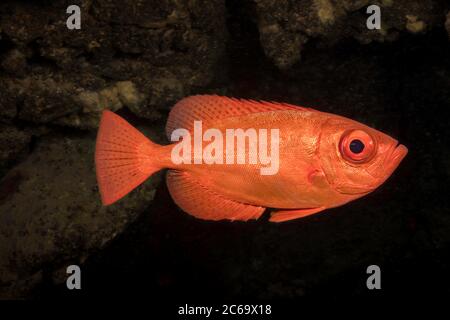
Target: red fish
325,160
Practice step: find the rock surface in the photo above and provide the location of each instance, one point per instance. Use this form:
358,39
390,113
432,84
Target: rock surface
286,26
51,215
163,49
14,143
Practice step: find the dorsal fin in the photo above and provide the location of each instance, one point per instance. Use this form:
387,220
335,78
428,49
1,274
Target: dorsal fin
213,107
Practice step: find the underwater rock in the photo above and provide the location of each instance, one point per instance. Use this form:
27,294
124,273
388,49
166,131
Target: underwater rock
44,99
286,26
8,101
13,144
165,48
121,94
414,25
164,90
51,215
53,100
14,62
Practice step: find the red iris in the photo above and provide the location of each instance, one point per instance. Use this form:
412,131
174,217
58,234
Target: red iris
357,146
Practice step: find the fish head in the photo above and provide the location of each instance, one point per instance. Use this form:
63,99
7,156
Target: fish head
355,158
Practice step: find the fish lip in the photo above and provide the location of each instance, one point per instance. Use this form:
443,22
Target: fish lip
398,153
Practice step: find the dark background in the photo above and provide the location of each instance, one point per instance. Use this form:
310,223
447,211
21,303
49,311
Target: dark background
398,83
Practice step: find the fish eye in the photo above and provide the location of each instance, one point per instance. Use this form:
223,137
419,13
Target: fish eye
357,146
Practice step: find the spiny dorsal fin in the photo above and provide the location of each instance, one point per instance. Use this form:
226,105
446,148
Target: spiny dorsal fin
213,107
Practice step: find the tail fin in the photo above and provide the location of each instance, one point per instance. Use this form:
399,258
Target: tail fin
123,157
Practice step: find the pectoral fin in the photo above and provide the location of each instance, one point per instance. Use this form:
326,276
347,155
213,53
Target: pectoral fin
285,215
318,179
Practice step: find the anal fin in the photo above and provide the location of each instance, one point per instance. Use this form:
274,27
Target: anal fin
203,203
285,215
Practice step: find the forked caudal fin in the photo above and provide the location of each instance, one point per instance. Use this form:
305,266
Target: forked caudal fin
124,157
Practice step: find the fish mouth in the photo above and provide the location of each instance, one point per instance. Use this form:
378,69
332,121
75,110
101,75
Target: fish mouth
398,153
394,156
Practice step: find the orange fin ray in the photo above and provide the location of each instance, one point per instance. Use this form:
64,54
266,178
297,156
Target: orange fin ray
285,215
213,107
123,157
200,202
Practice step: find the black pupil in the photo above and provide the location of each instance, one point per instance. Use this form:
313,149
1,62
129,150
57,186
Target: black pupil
356,146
